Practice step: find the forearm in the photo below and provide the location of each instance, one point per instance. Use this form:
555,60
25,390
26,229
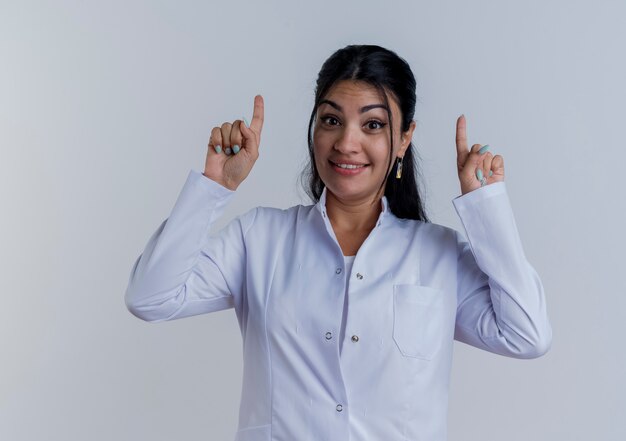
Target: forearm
512,318
157,281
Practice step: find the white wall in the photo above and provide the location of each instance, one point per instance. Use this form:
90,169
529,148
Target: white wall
105,106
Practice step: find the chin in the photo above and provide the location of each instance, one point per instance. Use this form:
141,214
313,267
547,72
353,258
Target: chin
348,191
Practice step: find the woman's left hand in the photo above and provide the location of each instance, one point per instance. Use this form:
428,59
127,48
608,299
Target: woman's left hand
473,165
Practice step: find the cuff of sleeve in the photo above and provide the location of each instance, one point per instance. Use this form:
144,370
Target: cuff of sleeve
485,212
201,199
487,217
209,185
480,194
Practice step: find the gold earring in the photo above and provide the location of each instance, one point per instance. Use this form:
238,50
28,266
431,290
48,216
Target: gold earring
399,167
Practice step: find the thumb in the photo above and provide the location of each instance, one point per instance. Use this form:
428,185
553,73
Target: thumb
250,137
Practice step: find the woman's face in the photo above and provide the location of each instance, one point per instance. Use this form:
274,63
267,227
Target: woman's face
352,127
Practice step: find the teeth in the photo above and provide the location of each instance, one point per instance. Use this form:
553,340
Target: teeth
349,166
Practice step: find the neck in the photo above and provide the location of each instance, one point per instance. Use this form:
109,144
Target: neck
353,215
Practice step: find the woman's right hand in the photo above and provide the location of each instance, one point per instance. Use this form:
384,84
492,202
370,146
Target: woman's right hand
230,167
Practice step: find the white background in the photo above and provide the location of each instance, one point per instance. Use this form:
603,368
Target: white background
106,106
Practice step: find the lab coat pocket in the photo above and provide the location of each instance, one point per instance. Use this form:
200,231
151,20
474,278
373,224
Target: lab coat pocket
417,320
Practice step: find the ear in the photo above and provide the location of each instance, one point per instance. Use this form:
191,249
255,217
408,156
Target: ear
405,139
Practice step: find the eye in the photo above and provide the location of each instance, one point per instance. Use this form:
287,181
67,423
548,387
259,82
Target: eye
329,120
375,125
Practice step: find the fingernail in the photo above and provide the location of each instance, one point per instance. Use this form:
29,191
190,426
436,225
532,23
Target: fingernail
490,173
483,149
246,121
218,149
479,174
235,148
228,151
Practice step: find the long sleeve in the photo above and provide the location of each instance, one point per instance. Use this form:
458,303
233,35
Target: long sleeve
501,302
183,269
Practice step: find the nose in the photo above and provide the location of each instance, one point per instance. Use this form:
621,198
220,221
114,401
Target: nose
349,140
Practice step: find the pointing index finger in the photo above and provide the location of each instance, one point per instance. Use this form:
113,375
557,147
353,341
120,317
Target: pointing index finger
258,115
461,140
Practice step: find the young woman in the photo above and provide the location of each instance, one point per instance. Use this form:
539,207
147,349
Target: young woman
348,308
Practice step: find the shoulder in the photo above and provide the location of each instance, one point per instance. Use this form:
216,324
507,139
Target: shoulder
275,214
268,219
430,229
431,235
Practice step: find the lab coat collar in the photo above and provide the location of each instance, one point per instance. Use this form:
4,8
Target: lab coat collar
321,207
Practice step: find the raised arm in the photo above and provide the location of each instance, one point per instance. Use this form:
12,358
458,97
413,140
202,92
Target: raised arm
183,269
501,302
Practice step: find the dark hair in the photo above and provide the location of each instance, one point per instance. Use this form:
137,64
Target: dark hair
386,71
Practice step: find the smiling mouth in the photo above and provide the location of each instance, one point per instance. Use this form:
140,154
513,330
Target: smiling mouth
348,166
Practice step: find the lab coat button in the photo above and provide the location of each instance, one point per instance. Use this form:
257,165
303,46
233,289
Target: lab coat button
355,338
338,271
339,407
359,276
329,335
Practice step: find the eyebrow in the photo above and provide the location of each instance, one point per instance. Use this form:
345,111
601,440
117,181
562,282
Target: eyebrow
363,109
